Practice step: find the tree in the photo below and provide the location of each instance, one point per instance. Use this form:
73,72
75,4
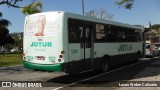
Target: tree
11,3
153,33
128,4
1,15
18,37
4,32
35,7
100,13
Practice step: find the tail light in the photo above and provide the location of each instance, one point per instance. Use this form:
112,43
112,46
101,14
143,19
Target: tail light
59,60
60,56
62,52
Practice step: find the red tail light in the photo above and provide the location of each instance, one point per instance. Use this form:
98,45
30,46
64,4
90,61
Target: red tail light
60,56
62,52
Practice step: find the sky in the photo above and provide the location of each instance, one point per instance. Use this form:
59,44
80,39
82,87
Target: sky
142,12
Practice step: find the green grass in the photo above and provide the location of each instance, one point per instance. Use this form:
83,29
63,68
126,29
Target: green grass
10,59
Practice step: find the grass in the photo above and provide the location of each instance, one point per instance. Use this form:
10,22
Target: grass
10,59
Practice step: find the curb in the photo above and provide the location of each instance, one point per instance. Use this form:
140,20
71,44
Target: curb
10,67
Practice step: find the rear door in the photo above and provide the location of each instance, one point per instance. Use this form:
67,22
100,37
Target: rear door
80,46
86,45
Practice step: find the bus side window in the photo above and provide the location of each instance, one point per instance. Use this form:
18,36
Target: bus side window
73,31
88,38
121,36
81,32
85,37
112,35
100,33
81,36
73,36
138,35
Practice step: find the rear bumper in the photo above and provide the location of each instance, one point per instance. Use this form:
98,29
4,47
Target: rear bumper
43,67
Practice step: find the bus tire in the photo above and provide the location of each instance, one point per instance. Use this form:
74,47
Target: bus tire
105,64
138,56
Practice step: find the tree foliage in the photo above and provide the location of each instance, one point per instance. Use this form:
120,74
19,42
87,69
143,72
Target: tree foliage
100,13
5,38
4,23
18,40
11,3
155,26
1,15
128,4
153,32
35,7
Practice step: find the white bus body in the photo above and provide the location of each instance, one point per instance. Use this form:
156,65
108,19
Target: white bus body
62,41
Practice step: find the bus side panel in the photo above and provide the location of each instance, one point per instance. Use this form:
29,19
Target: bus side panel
118,53
75,64
97,63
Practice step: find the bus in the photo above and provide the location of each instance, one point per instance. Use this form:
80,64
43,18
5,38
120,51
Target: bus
72,43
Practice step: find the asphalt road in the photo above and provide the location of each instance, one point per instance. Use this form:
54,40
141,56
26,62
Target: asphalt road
92,80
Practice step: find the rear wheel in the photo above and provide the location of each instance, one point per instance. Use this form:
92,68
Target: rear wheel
137,57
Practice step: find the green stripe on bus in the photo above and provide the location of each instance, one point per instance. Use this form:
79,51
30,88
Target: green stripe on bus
42,67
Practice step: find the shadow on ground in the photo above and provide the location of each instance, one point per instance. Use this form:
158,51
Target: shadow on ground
110,78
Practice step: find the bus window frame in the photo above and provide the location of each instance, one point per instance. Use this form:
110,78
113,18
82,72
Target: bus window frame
108,28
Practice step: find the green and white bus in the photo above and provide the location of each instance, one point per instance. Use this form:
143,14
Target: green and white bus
72,43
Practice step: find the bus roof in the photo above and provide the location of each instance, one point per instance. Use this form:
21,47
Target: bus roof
91,19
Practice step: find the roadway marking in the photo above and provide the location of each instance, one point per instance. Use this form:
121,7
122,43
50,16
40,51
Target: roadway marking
146,59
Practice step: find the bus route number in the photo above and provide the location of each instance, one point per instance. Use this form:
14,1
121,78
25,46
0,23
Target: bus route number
74,51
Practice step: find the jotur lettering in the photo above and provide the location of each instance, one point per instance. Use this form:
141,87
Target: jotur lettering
41,44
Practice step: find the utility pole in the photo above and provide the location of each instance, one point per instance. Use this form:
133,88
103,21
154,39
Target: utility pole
159,34
83,7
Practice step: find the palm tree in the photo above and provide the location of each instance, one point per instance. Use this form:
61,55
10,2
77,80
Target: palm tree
4,32
4,22
35,7
1,15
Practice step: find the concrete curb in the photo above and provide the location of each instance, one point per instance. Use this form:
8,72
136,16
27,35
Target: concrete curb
10,67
